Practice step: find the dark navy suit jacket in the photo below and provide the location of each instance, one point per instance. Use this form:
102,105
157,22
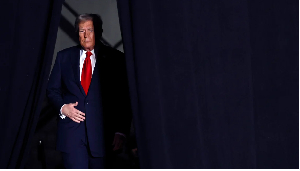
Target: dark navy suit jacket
106,106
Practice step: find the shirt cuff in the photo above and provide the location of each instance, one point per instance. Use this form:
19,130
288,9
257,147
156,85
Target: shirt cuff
121,134
62,116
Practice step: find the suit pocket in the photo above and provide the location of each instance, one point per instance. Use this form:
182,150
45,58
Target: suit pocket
68,123
66,120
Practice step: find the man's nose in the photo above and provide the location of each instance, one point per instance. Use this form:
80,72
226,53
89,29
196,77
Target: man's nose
85,34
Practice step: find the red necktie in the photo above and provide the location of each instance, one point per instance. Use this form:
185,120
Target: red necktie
86,75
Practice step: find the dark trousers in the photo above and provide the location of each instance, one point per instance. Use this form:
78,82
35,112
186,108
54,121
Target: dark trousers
81,158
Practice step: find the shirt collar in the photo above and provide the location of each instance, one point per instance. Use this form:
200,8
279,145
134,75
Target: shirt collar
82,51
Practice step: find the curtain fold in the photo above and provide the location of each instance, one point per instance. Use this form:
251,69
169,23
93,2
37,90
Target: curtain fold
274,30
28,32
198,95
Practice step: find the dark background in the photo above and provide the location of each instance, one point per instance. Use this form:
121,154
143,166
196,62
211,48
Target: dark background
214,84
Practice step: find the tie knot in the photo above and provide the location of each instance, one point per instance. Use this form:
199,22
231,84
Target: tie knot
88,54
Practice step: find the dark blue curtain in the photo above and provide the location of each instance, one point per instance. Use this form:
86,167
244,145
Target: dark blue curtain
214,83
28,33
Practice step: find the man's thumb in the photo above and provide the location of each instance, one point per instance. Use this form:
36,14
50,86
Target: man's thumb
75,104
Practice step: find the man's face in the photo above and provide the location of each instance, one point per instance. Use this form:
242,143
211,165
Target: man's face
87,35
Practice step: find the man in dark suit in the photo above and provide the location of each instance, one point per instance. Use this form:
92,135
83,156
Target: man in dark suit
88,87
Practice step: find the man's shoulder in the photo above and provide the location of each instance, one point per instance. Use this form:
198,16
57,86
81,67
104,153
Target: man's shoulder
68,50
110,51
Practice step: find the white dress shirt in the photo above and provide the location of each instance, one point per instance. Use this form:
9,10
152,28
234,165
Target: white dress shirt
82,58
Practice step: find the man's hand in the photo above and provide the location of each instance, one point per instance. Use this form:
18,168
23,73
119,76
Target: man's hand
134,152
74,114
118,142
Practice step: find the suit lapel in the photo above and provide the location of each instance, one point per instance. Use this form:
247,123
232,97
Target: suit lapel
76,68
96,73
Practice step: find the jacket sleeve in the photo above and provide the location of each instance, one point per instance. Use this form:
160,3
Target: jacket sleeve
123,111
54,87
